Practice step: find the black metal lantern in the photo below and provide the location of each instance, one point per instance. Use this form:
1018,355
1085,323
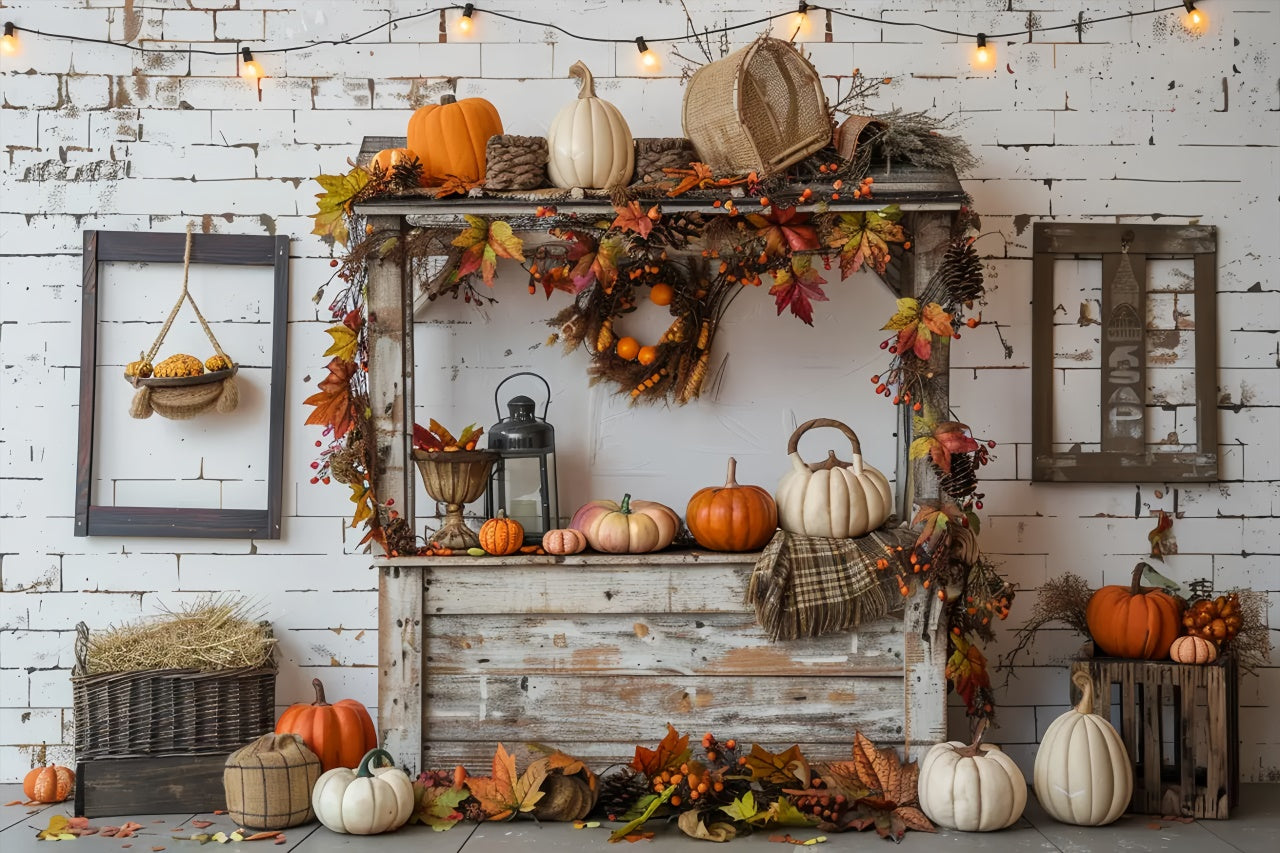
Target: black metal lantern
523,483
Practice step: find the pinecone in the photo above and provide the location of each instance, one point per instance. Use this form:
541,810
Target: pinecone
619,792
342,465
515,162
676,230
406,174
962,480
962,273
400,538
653,154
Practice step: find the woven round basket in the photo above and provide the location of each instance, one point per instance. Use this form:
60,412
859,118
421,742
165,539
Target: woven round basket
515,162
855,133
181,398
653,154
758,109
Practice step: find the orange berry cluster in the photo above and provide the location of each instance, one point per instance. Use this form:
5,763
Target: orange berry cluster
1216,620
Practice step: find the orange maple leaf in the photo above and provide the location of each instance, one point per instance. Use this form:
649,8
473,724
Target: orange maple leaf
633,218
696,177
504,793
453,185
671,751
333,402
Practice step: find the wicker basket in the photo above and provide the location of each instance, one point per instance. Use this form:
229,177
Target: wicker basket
759,109
160,712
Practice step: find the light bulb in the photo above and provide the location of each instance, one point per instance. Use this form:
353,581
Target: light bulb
249,67
648,59
1194,21
9,42
464,21
984,56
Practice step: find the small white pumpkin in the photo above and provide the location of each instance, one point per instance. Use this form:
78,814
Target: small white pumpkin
1189,649
835,499
971,787
589,144
1082,773
364,801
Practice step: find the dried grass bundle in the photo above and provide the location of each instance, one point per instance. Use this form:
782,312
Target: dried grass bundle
1252,645
1061,599
919,138
225,632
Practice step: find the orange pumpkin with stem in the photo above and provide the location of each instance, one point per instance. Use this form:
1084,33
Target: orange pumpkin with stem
450,138
1133,621
50,783
501,535
340,734
732,517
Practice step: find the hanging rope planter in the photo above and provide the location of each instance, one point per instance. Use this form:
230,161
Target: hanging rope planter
180,387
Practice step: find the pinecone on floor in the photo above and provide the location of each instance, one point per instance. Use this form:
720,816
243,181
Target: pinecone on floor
619,792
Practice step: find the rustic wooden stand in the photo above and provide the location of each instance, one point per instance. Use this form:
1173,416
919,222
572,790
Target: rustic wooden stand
593,653
1180,726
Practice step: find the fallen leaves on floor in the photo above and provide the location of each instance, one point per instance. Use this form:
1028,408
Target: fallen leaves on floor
802,842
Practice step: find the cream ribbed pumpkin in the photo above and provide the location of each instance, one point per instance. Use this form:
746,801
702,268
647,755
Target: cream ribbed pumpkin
589,143
1082,773
364,801
971,787
835,499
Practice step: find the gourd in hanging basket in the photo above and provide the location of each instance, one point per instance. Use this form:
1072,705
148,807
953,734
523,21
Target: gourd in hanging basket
366,801
48,783
1082,773
589,143
339,733
450,138
732,517
631,527
833,498
1133,621
972,787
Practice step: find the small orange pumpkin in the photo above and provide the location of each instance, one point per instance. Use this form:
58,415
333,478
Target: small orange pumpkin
340,733
50,783
388,158
563,540
1133,621
450,138
1192,649
501,535
732,517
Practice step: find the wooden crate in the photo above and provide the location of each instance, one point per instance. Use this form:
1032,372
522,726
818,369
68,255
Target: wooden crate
597,653
167,784
1180,725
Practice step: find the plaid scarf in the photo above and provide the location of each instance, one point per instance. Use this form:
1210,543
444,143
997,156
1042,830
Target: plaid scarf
805,586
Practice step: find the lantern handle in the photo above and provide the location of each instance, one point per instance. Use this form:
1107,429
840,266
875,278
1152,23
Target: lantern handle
498,408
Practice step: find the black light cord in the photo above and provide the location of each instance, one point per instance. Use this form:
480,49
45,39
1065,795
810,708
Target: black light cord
1077,25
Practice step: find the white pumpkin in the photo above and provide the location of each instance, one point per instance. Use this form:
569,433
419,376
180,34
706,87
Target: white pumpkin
971,787
364,801
589,144
834,498
1082,773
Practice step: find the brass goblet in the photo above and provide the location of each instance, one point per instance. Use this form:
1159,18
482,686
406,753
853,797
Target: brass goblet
455,478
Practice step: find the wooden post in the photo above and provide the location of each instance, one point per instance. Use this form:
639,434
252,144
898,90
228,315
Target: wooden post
925,629
399,590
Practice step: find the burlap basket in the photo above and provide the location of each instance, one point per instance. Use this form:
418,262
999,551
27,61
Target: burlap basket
269,782
759,109
855,133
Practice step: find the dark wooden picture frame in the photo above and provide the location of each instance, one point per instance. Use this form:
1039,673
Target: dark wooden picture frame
1124,456
231,249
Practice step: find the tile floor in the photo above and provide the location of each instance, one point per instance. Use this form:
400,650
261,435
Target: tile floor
1253,828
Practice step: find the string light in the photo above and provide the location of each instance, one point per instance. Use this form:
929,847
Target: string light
984,56
1195,19
249,67
648,58
465,22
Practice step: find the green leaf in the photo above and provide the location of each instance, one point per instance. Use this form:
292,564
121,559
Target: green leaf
334,204
625,830
742,808
437,806
783,813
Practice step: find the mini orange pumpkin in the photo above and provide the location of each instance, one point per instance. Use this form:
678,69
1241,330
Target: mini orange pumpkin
1192,649
50,783
340,733
388,158
732,517
450,138
1133,621
564,540
501,535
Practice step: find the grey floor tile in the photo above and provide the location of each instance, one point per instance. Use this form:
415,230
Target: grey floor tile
11,815
1131,833
410,839
1254,826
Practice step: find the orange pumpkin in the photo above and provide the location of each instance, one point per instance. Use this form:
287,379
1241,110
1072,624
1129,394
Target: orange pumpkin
450,138
50,783
732,517
340,733
1191,649
501,535
388,158
563,540
1133,621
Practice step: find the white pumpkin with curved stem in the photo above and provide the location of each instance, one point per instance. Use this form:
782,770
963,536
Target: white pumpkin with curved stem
589,144
364,801
971,787
1082,773
834,499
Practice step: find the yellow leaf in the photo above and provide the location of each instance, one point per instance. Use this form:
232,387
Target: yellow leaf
344,342
333,205
908,314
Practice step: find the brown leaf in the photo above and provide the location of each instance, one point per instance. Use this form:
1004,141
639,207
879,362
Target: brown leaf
671,751
914,819
780,768
201,824
504,794
864,758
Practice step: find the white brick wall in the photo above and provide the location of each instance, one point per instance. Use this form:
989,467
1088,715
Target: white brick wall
1129,123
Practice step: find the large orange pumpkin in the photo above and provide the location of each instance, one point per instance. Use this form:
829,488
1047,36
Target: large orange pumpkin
340,733
732,517
1133,621
450,138
50,783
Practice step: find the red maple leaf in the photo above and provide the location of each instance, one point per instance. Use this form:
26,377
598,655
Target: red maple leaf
782,229
333,402
798,287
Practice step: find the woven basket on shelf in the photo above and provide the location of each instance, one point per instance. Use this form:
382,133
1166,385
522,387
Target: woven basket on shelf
759,109
653,154
515,162
168,711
